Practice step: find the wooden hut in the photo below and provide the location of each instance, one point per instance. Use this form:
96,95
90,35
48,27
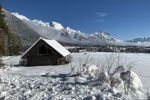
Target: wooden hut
45,52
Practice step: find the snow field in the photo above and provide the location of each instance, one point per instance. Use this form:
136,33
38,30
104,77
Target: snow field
37,82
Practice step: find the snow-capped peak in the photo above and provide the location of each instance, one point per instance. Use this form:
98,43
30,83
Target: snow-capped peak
103,36
39,22
70,30
35,21
20,16
56,25
56,30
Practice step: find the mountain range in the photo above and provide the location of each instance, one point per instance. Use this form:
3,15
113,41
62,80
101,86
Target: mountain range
30,30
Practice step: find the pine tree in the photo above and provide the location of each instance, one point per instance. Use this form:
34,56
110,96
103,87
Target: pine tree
10,43
2,33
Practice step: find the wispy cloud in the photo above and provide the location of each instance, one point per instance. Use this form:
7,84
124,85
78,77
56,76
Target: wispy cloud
102,14
100,17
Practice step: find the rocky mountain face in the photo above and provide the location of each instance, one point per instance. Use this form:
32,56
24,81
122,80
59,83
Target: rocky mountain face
55,30
30,30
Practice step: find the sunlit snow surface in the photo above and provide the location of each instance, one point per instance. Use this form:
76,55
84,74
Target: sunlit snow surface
139,62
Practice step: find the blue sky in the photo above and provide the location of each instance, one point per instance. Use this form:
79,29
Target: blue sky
123,19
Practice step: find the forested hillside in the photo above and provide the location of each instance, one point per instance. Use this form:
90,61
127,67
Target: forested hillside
10,43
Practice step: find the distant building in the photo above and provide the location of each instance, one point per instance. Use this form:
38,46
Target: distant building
45,52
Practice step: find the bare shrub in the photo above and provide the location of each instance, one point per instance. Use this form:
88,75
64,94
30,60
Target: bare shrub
84,62
72,70
115,60
112,61
117,68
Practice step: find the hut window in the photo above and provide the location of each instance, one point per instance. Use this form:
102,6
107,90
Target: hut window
49,51
43,50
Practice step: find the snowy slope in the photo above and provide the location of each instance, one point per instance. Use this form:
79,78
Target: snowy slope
26,33
55,30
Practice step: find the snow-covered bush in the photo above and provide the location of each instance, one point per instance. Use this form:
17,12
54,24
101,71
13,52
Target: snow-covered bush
133,82
121,79
90,70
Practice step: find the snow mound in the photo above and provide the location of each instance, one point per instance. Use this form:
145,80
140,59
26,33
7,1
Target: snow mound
137,84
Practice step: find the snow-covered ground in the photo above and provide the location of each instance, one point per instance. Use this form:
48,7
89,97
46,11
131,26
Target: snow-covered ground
139,62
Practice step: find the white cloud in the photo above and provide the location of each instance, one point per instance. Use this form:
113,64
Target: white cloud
102,14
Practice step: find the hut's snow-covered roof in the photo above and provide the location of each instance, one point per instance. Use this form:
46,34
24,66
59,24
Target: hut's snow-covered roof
52,43
57,46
